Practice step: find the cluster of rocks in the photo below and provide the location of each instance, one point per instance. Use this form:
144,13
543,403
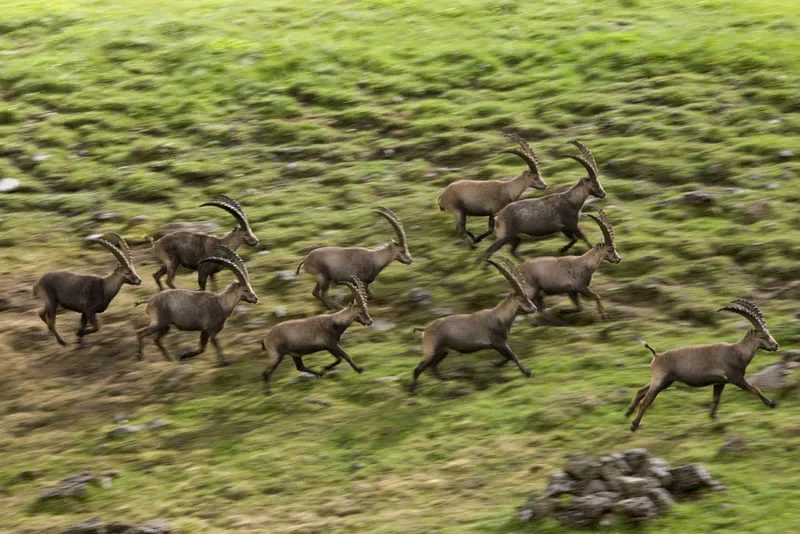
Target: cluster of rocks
75,486
95,526
631,486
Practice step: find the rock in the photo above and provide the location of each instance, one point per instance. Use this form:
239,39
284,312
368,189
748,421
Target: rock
441,312
537,507
608,520
38,158
756,211
27,476
157,423
689,478
560,484
124,430
74,486
382,325
715,169
285,276
137,220
321,402
785,153
254,325
637,486
734,443
107,216
357,466
280,311
775,376
303,377
201,227
8,185
587,511
699,198
636,509
635,458
662,499
656,468
95,526
398,99
612,467
772,186
420,298
791,356
241,308
581,467
594,486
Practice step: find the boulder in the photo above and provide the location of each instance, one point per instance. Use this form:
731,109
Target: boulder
699,198
581,467
594,486
776,376
560,484
662,499
756,211
689,478
612,467
420,298
655,468
637,486
636,509
635,458
8,185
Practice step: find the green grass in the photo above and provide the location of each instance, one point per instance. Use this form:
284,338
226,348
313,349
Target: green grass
312,114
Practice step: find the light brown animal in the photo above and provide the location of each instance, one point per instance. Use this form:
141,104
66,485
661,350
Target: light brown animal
716,364
479,198
84,293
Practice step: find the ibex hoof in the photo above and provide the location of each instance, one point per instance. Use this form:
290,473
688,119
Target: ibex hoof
773,404
528,373
634,426
359,369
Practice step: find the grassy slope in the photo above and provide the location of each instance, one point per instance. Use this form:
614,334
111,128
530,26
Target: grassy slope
147,107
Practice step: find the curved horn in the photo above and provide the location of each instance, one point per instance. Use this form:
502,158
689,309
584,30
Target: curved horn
233,263
221,251
592,172
586,153
112,248
526,153
122,245
395,222
359,292
230,208
756,311
746,313
605,226
516,283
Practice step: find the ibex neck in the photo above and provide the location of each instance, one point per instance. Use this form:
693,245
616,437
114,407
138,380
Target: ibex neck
748,346
594,257
579,192
112,283
230,298
233,240
517,186
343,318
506,311
383,256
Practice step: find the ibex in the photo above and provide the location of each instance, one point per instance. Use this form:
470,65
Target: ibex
201,311
571,275
84,293
481,198
301,337
186,249
485,329
340,265
558,212
705,365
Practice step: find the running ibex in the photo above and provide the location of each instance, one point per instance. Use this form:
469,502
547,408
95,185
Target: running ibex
558,212
340,265
313,334
705,365
84,293
484,329
571,275
481,198
201,311
186,249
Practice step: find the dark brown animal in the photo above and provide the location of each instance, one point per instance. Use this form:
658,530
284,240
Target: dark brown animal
716,364
186,249
84,293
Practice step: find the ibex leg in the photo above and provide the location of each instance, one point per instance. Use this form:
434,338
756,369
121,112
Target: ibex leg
274,360
488,232
158,274
652,392
636,399
747,386
192,353
717,394
339,352
506,351
437,359
298,362
220,357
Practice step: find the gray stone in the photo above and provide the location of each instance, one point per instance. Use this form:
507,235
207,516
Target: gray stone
636,509
157,423
656,468
581,467
785,153
27,476
777,376
594,486
791,356
382,325
689,478
107,216
280,311
589,509
637,486
357,465
537,507
303,377
241,308
285,276
662,499
138,219
560,484
635,458
73,486
124,430
612,467
8,185
420,298
38,158
756,211
734,443
441,312
699,198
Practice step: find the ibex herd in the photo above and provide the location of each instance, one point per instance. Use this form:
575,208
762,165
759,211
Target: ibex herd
357,268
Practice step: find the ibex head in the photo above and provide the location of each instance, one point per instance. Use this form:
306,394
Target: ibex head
595,189
400,249
608,245
533,175
225,257
359,304
234,208
752,313
119,248
521,288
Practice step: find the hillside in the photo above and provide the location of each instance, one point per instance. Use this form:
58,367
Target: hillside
311,114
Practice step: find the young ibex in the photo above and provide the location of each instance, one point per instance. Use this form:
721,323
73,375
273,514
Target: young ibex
186,249
84,293
705,365
201,311
484,329
340,265
558,212
481,198
301,337
571,275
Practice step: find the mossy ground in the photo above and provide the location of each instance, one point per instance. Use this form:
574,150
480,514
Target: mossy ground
311,114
